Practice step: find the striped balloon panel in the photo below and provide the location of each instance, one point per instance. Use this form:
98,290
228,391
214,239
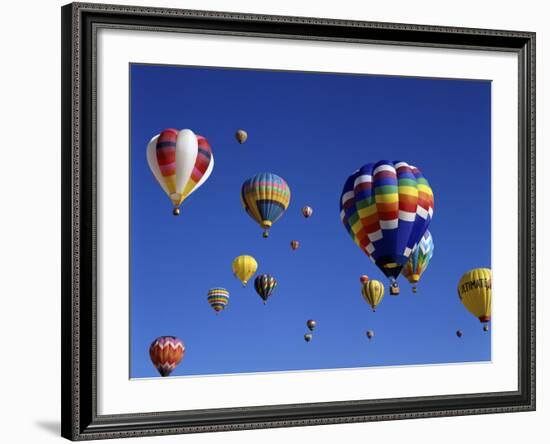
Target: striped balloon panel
419,259
265,197
166,352
381,209
265,284
204,159
166,157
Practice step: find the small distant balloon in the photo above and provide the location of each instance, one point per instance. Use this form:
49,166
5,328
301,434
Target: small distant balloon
363,279
486,327
166,352
218,298
459,333
311,324
241,136
307,211
308,337
370,334
294,244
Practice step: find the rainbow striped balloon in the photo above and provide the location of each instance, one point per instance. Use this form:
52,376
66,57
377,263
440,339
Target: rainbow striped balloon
419,259
265,197
265,284
386,208
218,298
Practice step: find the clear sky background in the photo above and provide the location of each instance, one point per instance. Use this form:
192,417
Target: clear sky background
314,130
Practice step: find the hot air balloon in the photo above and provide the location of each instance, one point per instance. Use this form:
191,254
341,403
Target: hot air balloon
264,285
181,162
485,327
294,244
363,278
373,292
419,260
386,208
265,198
307,211
218,298
311,324
370,334
166,353
241,136
474,290
308,337
459,333
244,267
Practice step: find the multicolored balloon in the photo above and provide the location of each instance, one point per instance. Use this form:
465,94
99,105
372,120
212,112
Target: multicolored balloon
265,284
244,267
311,324
218,298
241,136
419,260
386,208
181,162
373,292
363,278
265,197
294,244
474,291
307,211
166,353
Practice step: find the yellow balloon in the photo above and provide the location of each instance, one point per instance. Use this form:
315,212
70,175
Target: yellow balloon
373,292
474,290
244,268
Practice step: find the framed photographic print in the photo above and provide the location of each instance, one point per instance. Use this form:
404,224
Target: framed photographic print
280,221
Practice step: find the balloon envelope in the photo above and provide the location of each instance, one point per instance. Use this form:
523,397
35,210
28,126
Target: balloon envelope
180,161
166,352
373,292
241,136
474,291
311,324
218,298
419,259
386,208
307,211
308,337
265,284
265,197
244,267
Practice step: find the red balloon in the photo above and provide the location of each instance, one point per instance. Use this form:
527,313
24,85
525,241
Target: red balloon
166,353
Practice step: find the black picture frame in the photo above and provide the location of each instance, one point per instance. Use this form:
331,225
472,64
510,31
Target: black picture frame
80,420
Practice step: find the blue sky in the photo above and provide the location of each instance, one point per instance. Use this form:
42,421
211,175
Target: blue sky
314,130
